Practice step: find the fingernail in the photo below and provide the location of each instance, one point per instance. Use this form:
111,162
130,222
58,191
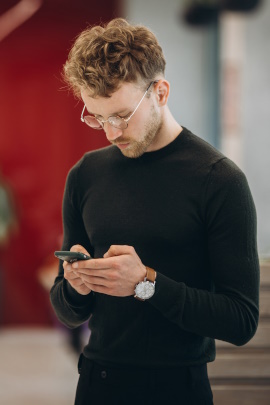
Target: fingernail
68,267
75,265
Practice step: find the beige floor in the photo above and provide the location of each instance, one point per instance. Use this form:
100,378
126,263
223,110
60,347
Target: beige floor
36,368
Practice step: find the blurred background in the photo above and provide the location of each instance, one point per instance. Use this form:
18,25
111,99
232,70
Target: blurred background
218,64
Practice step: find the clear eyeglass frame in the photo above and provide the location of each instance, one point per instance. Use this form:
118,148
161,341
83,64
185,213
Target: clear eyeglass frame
114,120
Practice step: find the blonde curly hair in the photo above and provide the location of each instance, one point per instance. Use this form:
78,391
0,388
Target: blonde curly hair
103,57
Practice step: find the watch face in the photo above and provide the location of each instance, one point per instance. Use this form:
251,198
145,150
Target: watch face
145,290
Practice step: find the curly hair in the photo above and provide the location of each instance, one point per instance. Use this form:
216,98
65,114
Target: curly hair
103,57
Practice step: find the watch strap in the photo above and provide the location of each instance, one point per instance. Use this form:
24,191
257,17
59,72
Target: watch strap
150,274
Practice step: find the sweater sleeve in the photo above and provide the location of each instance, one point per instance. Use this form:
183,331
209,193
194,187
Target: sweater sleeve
230,311
71,308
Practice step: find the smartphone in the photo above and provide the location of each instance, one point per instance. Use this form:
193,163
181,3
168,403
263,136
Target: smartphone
71,256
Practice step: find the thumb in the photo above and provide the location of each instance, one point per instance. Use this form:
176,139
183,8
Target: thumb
117,250
79,248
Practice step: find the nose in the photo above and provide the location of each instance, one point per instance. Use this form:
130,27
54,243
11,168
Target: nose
111,132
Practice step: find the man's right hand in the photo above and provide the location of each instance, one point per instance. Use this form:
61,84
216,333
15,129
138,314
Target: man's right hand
72,277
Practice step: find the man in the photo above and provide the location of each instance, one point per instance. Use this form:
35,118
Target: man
170,224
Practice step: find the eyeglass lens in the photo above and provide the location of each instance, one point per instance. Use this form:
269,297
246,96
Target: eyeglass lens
116,122
92,122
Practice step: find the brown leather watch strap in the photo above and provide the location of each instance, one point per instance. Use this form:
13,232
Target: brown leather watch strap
150,274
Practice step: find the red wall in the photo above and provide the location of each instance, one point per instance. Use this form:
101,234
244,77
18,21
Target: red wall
41,137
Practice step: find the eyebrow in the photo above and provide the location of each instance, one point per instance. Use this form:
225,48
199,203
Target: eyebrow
111,115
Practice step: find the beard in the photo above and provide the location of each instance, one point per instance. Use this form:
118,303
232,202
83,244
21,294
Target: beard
151,131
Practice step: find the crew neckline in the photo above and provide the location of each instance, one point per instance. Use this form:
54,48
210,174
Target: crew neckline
155,154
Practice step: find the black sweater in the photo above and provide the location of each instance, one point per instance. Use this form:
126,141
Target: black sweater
188,212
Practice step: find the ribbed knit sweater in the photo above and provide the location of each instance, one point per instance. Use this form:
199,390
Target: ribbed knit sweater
188,212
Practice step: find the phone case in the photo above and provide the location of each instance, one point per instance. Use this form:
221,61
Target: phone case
71,256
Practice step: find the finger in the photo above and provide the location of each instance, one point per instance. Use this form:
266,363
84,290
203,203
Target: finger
67,267
71,276
94,280
118,250
77,282
98,288
93,273
92,264
79,248
69,272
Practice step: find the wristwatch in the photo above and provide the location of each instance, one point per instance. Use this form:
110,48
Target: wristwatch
146,288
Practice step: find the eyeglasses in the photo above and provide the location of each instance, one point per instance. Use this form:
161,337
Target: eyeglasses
114,120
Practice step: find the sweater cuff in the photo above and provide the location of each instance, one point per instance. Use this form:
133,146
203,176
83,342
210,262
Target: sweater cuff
73,297
169,297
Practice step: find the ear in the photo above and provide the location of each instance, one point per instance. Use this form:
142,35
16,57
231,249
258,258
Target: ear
162,89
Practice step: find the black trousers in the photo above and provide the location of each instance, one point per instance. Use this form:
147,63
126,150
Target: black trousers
100,385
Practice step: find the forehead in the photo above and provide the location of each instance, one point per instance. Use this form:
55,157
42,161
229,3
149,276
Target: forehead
122,99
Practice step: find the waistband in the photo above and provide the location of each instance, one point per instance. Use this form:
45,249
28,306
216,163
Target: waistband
114,374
